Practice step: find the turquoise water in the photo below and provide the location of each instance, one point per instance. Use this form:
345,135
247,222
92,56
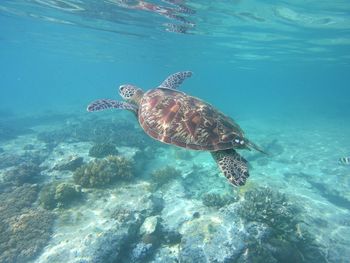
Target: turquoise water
279,69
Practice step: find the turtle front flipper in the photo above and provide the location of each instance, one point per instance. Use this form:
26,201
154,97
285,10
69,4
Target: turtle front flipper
175,80
233,166
105,104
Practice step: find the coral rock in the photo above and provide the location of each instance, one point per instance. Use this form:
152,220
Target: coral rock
150,225
59,195
71,164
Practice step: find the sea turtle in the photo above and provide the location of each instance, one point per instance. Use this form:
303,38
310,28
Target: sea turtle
173,117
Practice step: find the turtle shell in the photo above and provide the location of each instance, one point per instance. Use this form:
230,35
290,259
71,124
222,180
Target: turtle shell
173,117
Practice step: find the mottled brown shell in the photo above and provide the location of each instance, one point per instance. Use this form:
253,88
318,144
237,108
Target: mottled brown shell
173,117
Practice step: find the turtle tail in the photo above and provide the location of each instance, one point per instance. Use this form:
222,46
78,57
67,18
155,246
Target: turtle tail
256,147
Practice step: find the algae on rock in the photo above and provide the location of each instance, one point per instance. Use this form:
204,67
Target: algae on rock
59,195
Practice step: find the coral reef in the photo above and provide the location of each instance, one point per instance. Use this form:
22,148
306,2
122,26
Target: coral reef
101,150
27,234
21,174
34,157
141,251
271,217
116,131
59,195
164,175
208,241
200,181
103,172
9,131
8,160
71,164
15,199
173,224
269,207
217,200
54,137
47,196
152,235
66,193
249,186
120,132
25,230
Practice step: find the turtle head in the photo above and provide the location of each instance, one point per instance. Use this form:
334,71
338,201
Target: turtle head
130,93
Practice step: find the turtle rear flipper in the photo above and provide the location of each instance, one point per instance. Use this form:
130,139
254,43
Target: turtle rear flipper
233,166
175,80
105,104
255,147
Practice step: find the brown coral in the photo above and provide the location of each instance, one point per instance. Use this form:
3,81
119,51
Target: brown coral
100,173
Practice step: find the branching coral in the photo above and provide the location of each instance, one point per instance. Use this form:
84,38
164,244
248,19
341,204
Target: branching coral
101,150
164,175
269,207
272,211
100,173
217,200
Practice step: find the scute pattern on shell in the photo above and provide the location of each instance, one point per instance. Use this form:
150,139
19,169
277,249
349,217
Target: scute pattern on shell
173,117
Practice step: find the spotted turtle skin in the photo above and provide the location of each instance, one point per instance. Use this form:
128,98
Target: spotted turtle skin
174,117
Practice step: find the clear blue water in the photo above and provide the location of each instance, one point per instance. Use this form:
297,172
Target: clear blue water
272,56
281,69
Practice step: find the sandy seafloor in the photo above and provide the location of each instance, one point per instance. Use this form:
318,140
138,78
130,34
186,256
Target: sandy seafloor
294,208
